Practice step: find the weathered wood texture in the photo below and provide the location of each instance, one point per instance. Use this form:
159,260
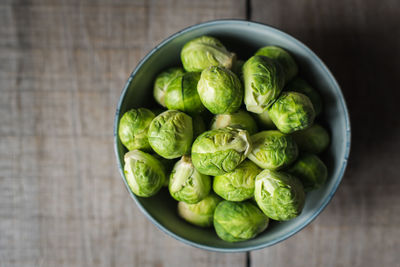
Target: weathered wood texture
62,68
359,41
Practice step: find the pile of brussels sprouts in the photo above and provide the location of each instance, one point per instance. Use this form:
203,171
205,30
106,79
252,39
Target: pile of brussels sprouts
258,156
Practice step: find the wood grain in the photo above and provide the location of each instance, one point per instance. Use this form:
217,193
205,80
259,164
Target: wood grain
62,67
359,41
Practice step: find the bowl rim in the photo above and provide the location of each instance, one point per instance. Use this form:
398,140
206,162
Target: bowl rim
321,65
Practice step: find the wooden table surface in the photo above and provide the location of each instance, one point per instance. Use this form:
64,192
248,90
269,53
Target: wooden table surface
62,68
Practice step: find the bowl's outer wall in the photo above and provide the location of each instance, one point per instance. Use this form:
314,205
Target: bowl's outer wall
244,38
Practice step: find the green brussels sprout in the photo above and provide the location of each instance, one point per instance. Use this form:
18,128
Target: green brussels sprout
205,51
182,94
311,171
273,150
292,112
237,68
133,127
220,151
279,195
162,81
144,174
301,86
239,184
238,221
240,119
171,134
265,121
186,183
201,213
286,61
314,139
263,82
220,90
199,126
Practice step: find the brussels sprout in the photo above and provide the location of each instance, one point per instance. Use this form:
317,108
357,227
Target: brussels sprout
171,134
292,112
311,171
279,195
182,94
186,183
273,150
263,82
203,52
237,68
265,121
199,126
239,184
301,86
238,221
144,174
220,90
286,61
314,139
133,128
220,151
201,213
162,81
240,119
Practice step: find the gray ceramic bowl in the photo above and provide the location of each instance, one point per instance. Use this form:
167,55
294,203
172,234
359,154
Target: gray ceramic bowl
244,38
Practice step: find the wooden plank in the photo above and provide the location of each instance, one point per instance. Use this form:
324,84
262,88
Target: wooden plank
359,41
62,67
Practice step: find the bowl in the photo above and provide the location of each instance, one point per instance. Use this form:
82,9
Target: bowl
244,38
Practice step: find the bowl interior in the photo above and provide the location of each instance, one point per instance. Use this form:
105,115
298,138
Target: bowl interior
244,38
